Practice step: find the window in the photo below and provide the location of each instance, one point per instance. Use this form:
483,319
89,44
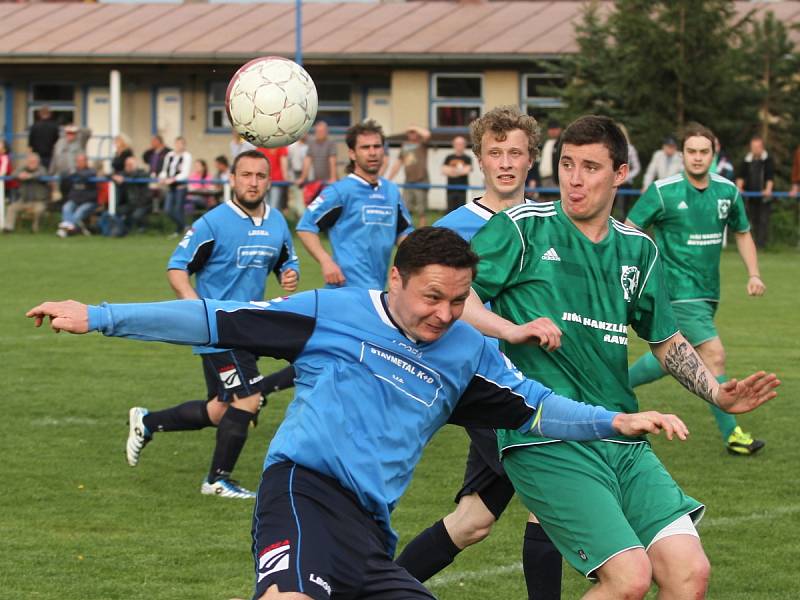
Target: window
540,92
217,119
335,104
456,99
60,97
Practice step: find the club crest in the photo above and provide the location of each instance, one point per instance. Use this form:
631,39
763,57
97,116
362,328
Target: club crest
630,281
723,207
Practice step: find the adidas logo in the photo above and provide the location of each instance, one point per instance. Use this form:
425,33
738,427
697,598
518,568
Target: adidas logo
683,205
551,255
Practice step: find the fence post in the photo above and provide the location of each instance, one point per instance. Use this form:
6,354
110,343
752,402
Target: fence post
112,198
226,191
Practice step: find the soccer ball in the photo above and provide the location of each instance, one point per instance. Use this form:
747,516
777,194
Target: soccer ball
271,101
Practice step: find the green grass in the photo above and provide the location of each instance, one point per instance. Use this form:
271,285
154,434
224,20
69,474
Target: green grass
78,523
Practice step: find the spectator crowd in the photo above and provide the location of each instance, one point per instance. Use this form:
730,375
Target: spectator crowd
56,172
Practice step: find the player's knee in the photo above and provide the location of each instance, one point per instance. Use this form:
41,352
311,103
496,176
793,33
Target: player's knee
215,410
273,593
248,403
696,572
627,577
470,523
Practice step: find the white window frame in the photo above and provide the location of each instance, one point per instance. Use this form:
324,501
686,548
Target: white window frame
437,101
213,106
55,105
539,102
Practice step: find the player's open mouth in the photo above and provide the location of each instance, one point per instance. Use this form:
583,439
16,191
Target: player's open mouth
506,178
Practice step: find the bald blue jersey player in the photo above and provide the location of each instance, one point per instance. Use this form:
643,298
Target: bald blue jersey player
378,375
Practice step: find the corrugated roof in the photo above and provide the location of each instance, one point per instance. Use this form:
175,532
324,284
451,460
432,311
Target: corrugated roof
342,32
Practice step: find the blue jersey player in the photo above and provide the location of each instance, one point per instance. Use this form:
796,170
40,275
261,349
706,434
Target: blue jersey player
231,251
378,373
363,215
504,141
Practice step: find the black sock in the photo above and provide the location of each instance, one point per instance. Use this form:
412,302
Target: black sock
428,553
231,436
184,417
277,381
541,563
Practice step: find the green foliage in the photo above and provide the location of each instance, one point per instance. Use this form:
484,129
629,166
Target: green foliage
656,65
79,524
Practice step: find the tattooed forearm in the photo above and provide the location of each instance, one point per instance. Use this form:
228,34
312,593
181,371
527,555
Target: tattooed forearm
684,364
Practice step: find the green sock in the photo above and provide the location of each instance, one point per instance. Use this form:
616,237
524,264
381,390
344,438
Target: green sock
645,370
726,423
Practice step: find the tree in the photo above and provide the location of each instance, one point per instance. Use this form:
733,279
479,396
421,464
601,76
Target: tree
657,64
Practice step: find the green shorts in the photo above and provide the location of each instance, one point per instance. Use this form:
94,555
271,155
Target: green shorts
696,320
597,499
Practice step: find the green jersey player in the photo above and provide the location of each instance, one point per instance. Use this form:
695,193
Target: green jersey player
689,213
610,506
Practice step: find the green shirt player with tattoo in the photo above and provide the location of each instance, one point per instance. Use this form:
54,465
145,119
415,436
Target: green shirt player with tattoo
610,506
689,213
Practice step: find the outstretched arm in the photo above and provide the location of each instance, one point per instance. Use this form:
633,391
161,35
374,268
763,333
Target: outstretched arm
680,359
747,250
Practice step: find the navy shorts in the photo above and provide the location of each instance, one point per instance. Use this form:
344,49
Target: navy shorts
484,474
310,535
231,372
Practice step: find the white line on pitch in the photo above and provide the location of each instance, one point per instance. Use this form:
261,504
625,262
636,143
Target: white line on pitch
754,516
448,578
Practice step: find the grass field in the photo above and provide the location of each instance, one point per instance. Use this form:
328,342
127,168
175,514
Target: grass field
78,523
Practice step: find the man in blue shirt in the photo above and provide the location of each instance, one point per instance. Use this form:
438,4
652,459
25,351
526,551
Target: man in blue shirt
363,215
378,375
231,251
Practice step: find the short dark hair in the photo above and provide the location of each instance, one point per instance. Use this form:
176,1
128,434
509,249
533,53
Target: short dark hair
433,246
222,159
594,129
694,129
365,127
249,154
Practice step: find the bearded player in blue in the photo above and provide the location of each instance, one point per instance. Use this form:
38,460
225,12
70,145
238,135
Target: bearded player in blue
378,374
231,250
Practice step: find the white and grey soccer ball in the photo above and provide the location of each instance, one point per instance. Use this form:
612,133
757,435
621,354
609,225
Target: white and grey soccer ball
271,101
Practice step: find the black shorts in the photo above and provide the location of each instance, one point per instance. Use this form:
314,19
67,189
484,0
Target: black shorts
310,535
484,474
231,372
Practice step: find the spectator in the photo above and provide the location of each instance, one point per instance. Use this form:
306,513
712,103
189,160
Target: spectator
624,202
722,165
6,167
545,170
239,144
65,153
201,187
319,165
664,163
81,199
223,175
43,135
32,194
122,150
278,172
756,174
297,155
153,158
795,173
457,167
414,159
176,170
133,201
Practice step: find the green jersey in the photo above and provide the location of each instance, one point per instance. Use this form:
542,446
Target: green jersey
689,226
536,263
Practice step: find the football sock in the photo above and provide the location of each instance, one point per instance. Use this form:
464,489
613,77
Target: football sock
541,563
279,380
231,436
645,370
428,553
725,422
184,417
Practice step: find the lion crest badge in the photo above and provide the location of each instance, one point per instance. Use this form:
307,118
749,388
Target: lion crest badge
630,281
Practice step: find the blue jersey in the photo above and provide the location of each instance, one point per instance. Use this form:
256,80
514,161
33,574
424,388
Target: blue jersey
231,254
466,220
367,398
363,222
